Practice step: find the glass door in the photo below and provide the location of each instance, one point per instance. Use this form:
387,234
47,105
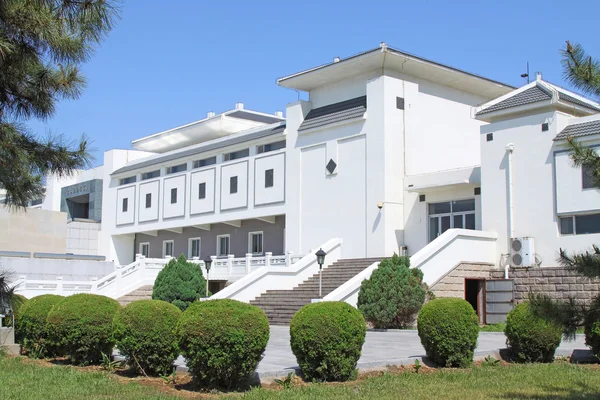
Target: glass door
458,214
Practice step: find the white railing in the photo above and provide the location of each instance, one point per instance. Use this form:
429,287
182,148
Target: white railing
435,260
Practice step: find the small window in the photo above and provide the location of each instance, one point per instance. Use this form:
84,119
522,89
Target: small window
167,248
269,178
477,191
148,200
177,168
421,198
400,103
202,190
174,196
255,242
125,204
265,148
205,162
194,247
587,177
545,127
145,249
150,175
566,226
222,245
236,155
233,184
128,180
489,137
585,224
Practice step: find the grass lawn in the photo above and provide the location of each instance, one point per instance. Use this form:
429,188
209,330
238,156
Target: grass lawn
25,379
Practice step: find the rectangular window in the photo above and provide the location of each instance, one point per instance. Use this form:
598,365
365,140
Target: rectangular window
128,180
205,162
265,148
269,178
150,175
177,168
167,248
587,177
233,181
202,190
579,224
458,214
125,201
194,247
236,155
566,226
222,245
255,242
148,200
174,196
145,249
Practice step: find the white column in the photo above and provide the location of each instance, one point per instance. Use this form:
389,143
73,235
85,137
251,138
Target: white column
59,285
288,258
229,265
248,263
268,256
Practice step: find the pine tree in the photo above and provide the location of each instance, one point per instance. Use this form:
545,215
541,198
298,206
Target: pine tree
42,45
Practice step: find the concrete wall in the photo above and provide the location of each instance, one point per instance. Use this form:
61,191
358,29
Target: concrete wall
50,269
82,237
453,284
273,238
33,230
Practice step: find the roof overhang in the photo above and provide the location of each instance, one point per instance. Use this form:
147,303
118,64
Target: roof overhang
443,180
387,58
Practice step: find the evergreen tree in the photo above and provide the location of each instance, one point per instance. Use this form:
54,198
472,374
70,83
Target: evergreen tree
42,44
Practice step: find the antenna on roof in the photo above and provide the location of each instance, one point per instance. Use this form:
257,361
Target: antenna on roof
526,75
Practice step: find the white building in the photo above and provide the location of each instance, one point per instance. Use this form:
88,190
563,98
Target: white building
389,152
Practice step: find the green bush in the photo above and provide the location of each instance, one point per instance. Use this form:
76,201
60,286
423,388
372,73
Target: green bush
33,327
222,341
144,332
393,295
327,340
592,336
180,282
448,329
529,337
81,325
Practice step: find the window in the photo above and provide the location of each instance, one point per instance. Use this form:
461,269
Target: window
489,137
255,242
194,247
587,177
148,200
222,245
127,180
145,249
202,190
580,224
205,162
125,204
233,184
265,148
269,178
173,195
150,175
167,248
236,155
449,215
177,168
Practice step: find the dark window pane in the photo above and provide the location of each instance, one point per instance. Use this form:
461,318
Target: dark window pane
470,221
463,205
148,200
150,175
566,225
439,208
236,154
177,168
269,178
205,162
445,224
587,224
587,177
125,181
173,195
125,205
233,184
458,221
434,228
202,190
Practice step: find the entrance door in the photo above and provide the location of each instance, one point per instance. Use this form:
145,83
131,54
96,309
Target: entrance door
474,294
499,300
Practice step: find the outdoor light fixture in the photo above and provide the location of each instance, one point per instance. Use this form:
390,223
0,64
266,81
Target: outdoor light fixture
207,264
320,260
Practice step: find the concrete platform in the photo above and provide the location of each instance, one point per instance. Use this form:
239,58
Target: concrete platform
7,341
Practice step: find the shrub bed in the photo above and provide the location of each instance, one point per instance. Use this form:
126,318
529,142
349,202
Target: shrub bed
529,337
81,325
180,282
32,326
327,340
222,341
144,333
448,329
393,295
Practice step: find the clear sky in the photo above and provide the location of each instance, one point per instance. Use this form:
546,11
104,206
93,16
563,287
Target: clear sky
168,63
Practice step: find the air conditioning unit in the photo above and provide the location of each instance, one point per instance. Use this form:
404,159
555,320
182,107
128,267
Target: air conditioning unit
522,252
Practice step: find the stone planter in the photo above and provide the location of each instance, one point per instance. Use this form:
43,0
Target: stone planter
7,341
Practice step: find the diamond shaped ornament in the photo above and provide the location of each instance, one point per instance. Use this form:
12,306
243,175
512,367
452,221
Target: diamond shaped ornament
331,166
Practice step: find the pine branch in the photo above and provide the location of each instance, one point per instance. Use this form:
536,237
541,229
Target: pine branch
570,315
580,69
586,263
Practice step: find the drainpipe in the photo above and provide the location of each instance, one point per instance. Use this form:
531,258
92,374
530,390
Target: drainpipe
509,149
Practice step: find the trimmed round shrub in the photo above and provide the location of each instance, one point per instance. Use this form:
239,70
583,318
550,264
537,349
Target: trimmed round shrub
448,329
393,295
530,337
180,282
33,328
327,340
222,341
144,333
81,325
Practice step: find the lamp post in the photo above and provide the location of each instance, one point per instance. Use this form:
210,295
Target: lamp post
320,260
207,264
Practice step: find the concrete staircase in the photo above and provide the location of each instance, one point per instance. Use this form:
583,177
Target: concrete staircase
281,305
143,293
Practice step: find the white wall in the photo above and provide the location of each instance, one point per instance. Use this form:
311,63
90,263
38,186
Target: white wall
239,199
82,237
571,198
152,188
207,204
177,209
126,215
267,195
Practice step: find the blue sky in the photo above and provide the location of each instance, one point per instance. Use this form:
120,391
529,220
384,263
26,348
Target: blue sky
167,63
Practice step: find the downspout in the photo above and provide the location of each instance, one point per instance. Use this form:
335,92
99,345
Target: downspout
509,149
